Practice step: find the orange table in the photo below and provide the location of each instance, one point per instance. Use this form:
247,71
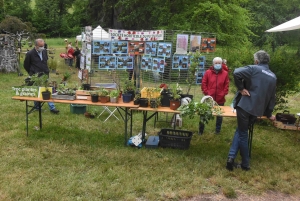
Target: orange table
123,106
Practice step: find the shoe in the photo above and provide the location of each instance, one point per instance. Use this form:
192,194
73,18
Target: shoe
239,165
54,111
230,164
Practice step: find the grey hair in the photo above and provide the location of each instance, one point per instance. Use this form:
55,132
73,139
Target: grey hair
37,41
262,57
217,59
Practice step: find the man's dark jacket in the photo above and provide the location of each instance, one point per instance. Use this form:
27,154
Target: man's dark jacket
33,63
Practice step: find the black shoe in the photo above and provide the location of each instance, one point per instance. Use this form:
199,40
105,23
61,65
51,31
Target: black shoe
54,111
230,164
239,165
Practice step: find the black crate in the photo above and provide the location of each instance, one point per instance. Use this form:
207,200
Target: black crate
175,138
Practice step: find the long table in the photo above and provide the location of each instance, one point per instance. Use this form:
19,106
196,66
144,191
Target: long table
120,105
227,111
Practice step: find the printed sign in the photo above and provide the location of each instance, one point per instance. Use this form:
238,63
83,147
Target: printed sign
136,35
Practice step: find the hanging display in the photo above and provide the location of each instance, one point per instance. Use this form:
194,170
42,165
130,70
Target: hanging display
151,48
158,64
152,35
208,45
199,76
124,62
146,63
195,42
101,47
119,47
164,49
182,44
136,48
180,62
107,62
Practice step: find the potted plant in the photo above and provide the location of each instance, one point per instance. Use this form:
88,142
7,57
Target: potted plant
175,97
94,96
191,74
114,96
154,96
104,95
129,88
41,80
136,100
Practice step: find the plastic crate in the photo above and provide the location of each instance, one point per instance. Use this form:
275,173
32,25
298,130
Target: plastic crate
77,109
175,138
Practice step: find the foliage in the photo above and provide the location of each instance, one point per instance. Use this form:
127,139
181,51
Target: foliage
114,93
40,79
103,92
128,86
176,91
193,67
66,76
13,25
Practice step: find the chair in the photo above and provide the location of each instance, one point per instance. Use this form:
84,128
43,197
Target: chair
106,108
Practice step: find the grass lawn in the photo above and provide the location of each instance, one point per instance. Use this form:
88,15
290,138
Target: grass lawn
76,158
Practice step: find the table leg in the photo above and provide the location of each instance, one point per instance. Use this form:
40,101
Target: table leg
125,122
144,125
40,114
26,118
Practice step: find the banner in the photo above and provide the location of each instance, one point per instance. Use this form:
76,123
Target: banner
153,35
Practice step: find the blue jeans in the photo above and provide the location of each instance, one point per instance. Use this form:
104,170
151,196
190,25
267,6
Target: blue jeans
240,139
50,104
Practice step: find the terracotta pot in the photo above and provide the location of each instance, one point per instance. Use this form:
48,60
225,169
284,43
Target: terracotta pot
174,104
104,99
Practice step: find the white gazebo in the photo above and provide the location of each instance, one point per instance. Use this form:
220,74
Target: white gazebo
287,26
98,34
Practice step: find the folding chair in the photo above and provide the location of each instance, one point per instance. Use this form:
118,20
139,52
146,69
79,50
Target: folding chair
106,108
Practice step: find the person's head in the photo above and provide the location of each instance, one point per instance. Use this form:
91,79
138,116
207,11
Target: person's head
217,63
69,46
261,57
224,61
39,44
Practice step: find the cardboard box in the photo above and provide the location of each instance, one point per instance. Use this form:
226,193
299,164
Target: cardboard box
281,125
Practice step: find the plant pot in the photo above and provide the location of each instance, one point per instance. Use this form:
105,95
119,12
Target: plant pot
46,95
86,86
126,98
165,99
187,95
136,102
104,99
153,103
174,104
132,94
120,94
114,99
94,98
143,102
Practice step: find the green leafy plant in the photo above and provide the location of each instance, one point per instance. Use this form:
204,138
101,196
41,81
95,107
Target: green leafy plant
128,86
103,92
114,93
40,79
193,67
66,76
176,91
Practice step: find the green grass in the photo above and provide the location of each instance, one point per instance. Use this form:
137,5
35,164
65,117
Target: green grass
75,158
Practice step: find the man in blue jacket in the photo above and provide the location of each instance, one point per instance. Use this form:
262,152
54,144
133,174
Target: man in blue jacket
36,62
256,86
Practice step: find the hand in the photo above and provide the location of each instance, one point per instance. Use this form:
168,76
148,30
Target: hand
245,92
272,118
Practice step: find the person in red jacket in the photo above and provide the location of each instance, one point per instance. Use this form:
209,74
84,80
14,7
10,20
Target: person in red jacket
215,83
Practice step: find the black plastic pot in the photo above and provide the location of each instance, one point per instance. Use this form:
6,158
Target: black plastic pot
165,98
126,98
86,86
94,98
143,102
46,95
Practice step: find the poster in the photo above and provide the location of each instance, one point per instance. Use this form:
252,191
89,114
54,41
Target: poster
125,62
164,49
107,62
208,45
182,44
158,64
152,35
195,42
146,63
88,56
151,48
136,48
180,62
88,34
101,47
199,76
119,47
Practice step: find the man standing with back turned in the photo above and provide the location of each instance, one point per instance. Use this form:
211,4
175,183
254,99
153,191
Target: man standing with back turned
36,62
256,86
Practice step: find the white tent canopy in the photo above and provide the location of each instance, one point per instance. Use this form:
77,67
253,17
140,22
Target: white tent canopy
98,34
289,25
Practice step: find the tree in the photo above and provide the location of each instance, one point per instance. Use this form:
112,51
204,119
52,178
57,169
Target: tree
13,24
18,8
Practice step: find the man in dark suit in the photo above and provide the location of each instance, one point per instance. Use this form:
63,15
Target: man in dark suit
36,62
